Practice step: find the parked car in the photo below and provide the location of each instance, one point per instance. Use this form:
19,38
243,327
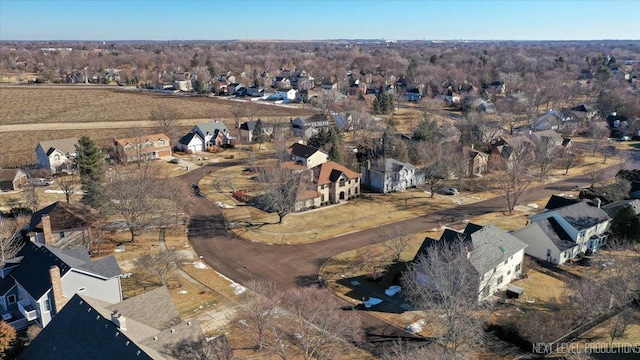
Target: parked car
449,191
624,138
175,161
196,190
42,182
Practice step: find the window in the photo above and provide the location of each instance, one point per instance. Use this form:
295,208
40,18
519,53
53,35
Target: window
517,267
11,299
47,305
499,280
56,157
506,261
509,272
342,182
161,142
356,191
349,192
61,234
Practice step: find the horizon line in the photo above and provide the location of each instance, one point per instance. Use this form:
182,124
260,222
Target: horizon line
308,40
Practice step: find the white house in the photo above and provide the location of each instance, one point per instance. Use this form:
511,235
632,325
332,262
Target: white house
191,143
213,134
37,283
567,232
309,125
494,254
57,155
284,94
391,175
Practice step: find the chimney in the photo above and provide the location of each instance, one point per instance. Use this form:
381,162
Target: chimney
46,230
56,285
598,202
119,320
473,147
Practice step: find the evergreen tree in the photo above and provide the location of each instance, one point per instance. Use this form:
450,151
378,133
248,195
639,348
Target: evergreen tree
426,129
334,153
90,165
626,224
257,135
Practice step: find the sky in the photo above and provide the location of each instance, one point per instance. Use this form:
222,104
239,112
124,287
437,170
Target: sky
319,20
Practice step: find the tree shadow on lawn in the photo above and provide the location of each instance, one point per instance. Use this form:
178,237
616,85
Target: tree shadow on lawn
363,287
307,280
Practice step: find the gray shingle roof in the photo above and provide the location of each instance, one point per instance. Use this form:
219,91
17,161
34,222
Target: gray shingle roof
84,330
65,145
302,151
613,208
547,228
185,140
489,245
33,272
212,127
582,215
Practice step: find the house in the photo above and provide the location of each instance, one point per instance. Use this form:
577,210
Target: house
307,199
554,120
183,85
495,255
508,149
584,112
329,85
247,128
497,87
146,326
308,126
65,225
255,91
613,208
335,182
414,95
281,82
391,175
284,94
190,143
142,148
452,97
480,104
567,232
40,280
57,155
12,179
545,136
213,134
477,161
344,121
306,155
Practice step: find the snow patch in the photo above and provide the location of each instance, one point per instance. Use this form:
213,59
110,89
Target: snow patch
222,205
199,265
416,327
237,288
533,205
182,292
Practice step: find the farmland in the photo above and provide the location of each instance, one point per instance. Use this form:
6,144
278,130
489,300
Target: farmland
34,113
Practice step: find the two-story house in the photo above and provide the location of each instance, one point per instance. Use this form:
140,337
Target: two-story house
247,128
146,326
477,161
495,255
37,283
142,148
391,175
336,183
306,155
560,234
308,126
214,133
57,155
508,149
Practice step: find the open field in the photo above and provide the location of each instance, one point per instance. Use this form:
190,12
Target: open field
35,111
37,105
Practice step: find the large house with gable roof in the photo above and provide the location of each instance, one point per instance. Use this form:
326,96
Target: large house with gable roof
40,280
57,155
495,255
146,326
566,230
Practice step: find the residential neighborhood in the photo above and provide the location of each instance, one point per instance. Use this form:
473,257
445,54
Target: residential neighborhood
319,199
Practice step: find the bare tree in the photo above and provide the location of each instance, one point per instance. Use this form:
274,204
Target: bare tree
135,194
545,156
327,101
280,188
398,243
569,157
370,259
165,118
595,176
444,284
178,194
597,134
10,240
258,310
438,166
317,323
68,184
513,178
31,197
201,349
160,264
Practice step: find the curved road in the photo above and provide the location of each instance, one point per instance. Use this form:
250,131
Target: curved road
295,265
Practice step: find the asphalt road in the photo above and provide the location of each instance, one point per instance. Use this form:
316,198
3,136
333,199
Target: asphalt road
298,265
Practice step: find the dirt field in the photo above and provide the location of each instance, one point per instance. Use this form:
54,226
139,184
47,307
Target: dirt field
30,114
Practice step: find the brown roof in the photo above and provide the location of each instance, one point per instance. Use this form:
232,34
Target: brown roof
141,139
292,165
330,172
64,216
9,174
307,194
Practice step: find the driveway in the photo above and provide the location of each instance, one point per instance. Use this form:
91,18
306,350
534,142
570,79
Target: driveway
298,265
